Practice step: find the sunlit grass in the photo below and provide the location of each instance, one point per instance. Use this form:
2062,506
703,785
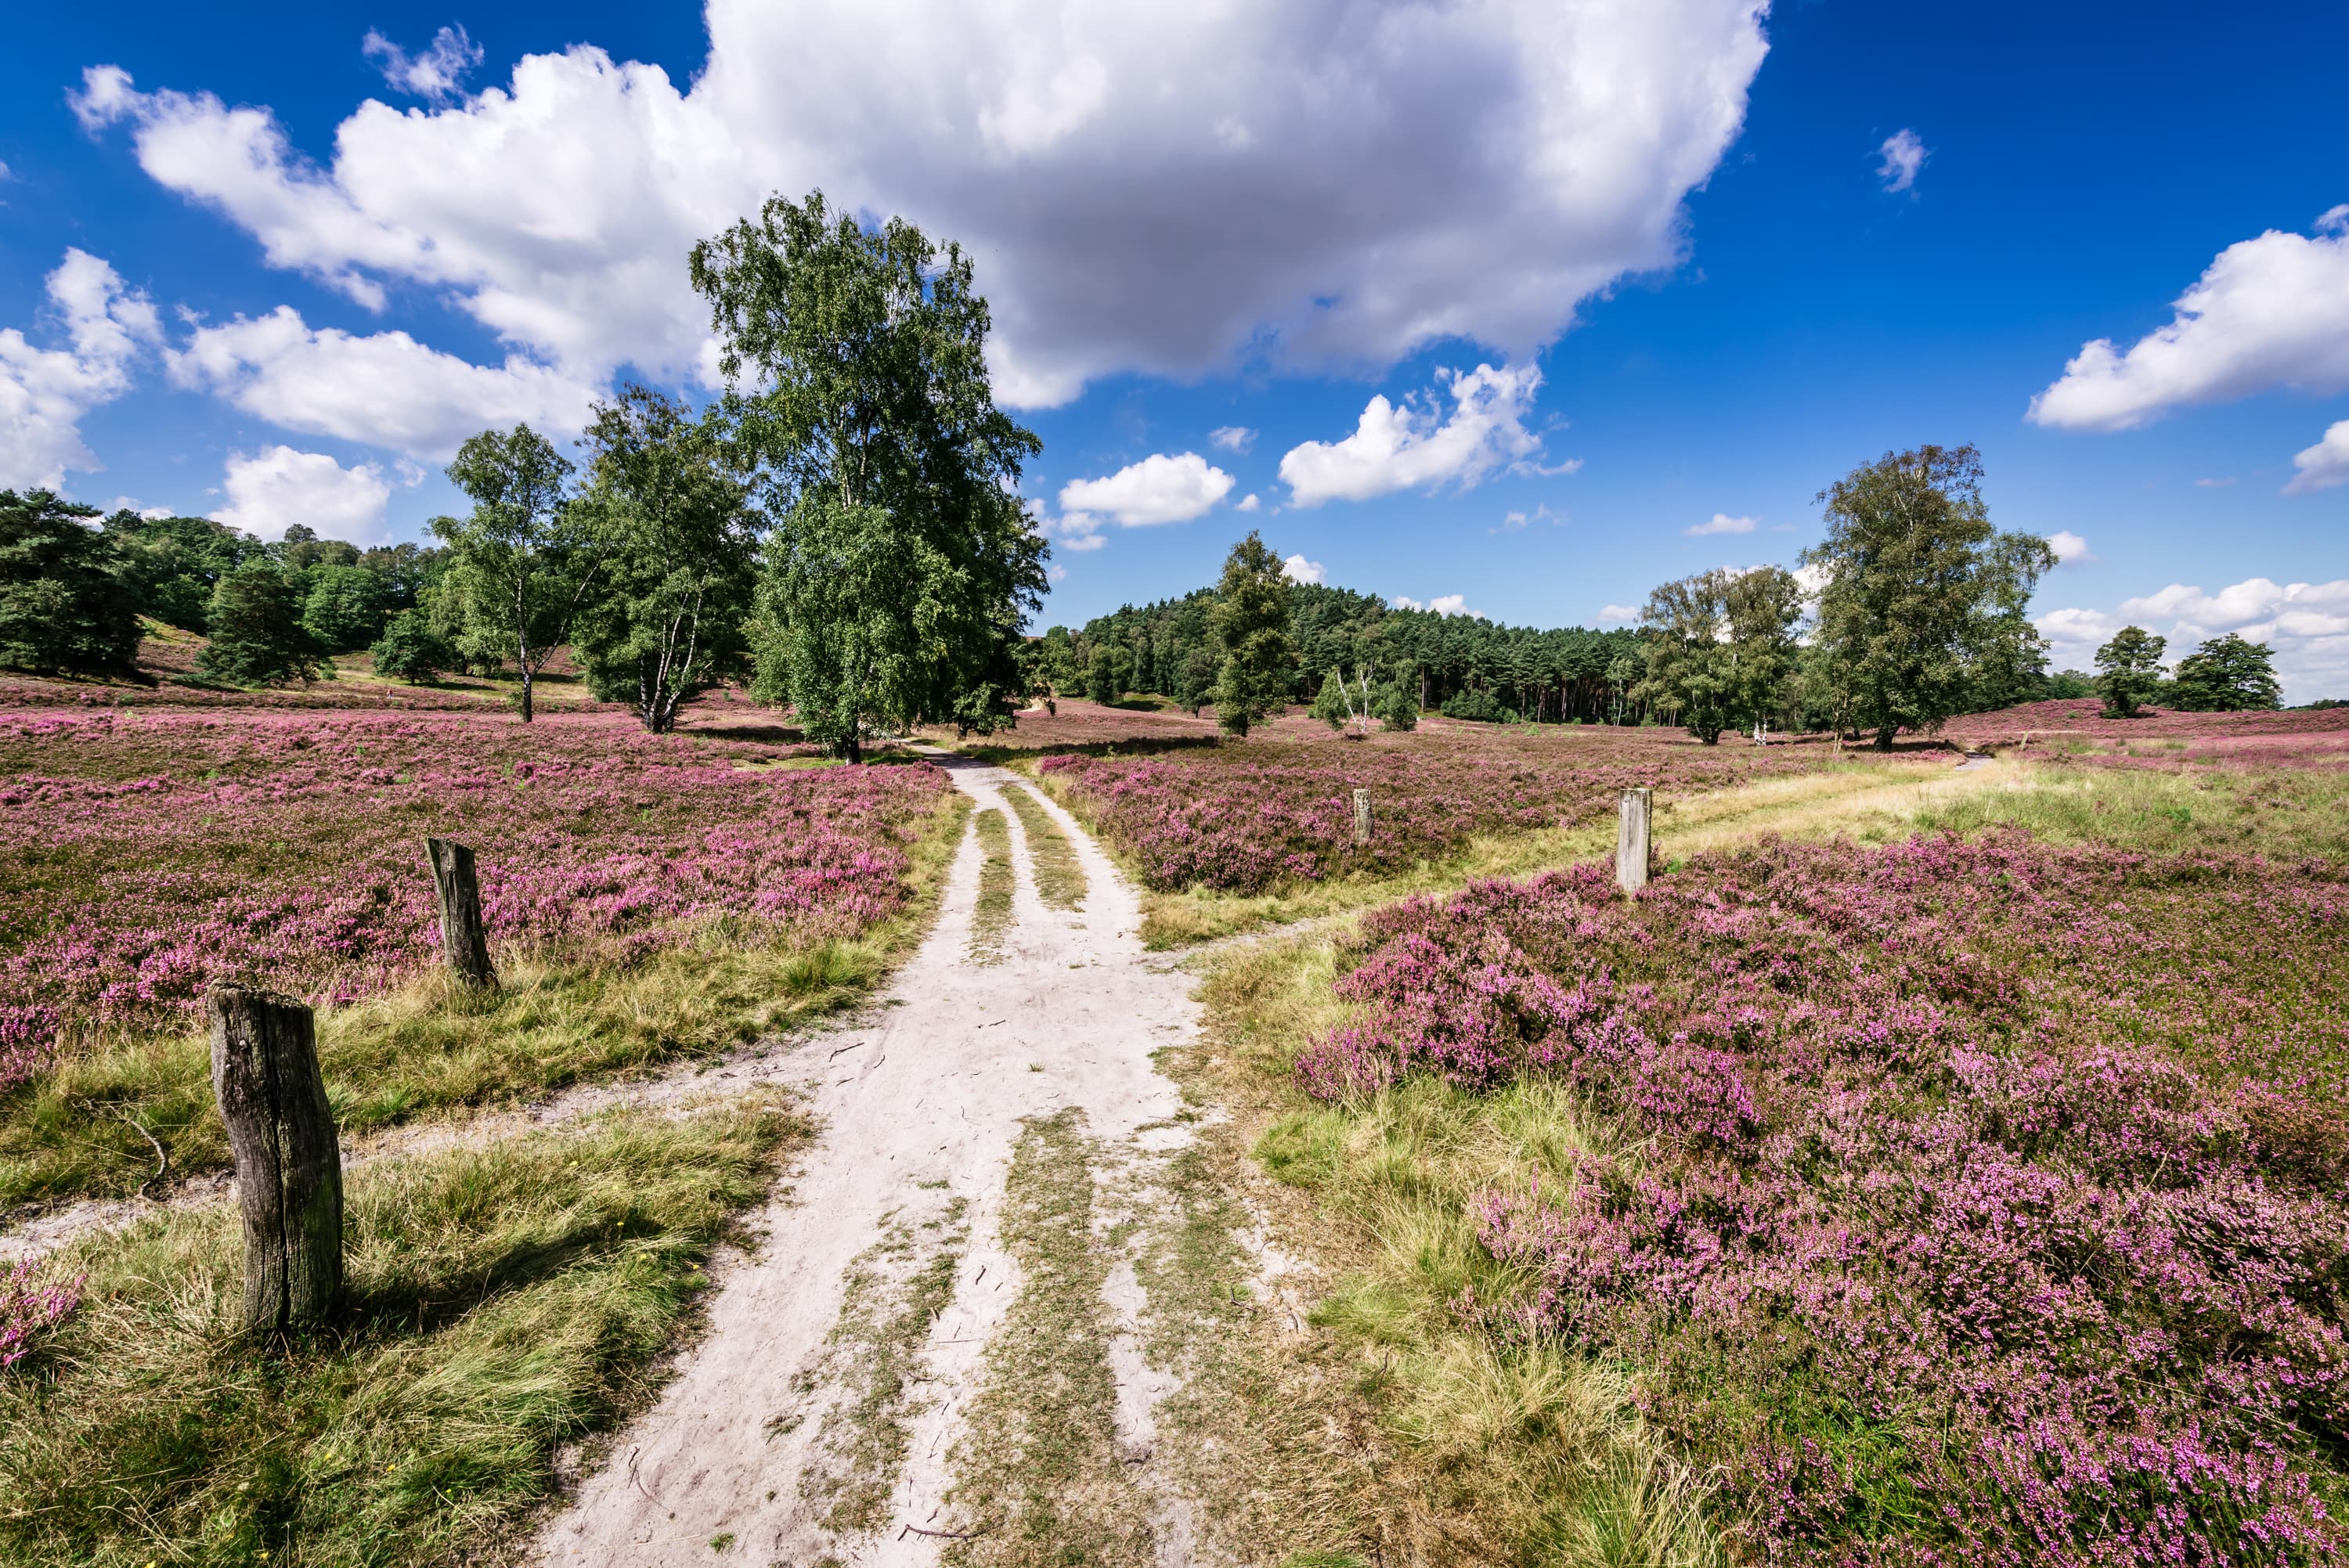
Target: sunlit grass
501,1300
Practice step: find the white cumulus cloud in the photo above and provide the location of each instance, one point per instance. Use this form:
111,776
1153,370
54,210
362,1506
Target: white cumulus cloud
438,74
2269,311
1418,443
1901,155
1443,605
2069,547
2324,465
1158,488
385,389
44,392
2306,623
1619,611
1232,438
1721,524
1297,569
278,485
1156,189
1248,503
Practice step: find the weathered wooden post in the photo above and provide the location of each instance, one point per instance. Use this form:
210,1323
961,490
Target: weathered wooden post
289,1169
1632,845
463,940
1362,817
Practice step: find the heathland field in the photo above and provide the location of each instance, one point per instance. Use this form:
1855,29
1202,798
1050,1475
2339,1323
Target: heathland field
1934,1165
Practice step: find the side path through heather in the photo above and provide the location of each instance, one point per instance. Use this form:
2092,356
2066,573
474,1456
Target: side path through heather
845,1382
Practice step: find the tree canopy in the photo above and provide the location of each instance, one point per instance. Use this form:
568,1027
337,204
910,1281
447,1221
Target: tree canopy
519,564
68,604
2225,674
901,564
1922,596
1250,622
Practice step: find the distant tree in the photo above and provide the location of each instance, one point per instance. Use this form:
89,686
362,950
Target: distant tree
673,531
522,564
1720,647
1623,673
2227,674
2066,684
412,650
902,564
2007,656
1918,586
257,638
1397,705
405,569
1198,679
301,550
1106,673
1331,706
2128,671
1251,627
344,607
174,562
68,604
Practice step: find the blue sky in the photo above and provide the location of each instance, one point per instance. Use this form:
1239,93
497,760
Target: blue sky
269,272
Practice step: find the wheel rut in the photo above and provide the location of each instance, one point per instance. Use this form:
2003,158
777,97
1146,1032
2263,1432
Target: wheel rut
859,1377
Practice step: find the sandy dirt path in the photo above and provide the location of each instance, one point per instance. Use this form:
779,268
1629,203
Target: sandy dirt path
755,1442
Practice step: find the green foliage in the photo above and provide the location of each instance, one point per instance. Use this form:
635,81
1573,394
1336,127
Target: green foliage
1331,707
2128,671
1251,626
1476,705
257,636
1720,647
1107,672
1195,686
344,608
66,603
518,564
2227,674
412,650
674,535
174,562
902,563
2065,683
1397,706
1923,599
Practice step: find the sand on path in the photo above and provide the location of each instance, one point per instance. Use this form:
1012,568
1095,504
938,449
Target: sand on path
918,1108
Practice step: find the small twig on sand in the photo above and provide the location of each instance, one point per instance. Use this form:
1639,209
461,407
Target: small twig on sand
940,1534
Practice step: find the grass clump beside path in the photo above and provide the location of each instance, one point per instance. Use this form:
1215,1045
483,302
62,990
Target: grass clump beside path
992,915
1060,880
501,1302
1038,1474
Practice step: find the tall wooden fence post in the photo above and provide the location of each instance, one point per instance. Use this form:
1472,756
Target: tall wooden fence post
463,940
1361,816
289,1169
1633,849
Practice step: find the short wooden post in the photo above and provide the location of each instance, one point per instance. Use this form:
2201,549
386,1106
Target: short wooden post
1633,848
289,1169
464,940
1361,816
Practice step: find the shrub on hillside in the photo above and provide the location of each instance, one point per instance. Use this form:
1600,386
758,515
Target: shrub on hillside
66,606
410,650
258,634
1477,706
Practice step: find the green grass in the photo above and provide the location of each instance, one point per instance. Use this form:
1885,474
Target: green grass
992,915
2280,812
502,1302
1060,880
1038,1477
891,1299
82,1129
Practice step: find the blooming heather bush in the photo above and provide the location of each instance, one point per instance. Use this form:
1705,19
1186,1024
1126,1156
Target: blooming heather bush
1242,818
1977,1202
144,856
29,1306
